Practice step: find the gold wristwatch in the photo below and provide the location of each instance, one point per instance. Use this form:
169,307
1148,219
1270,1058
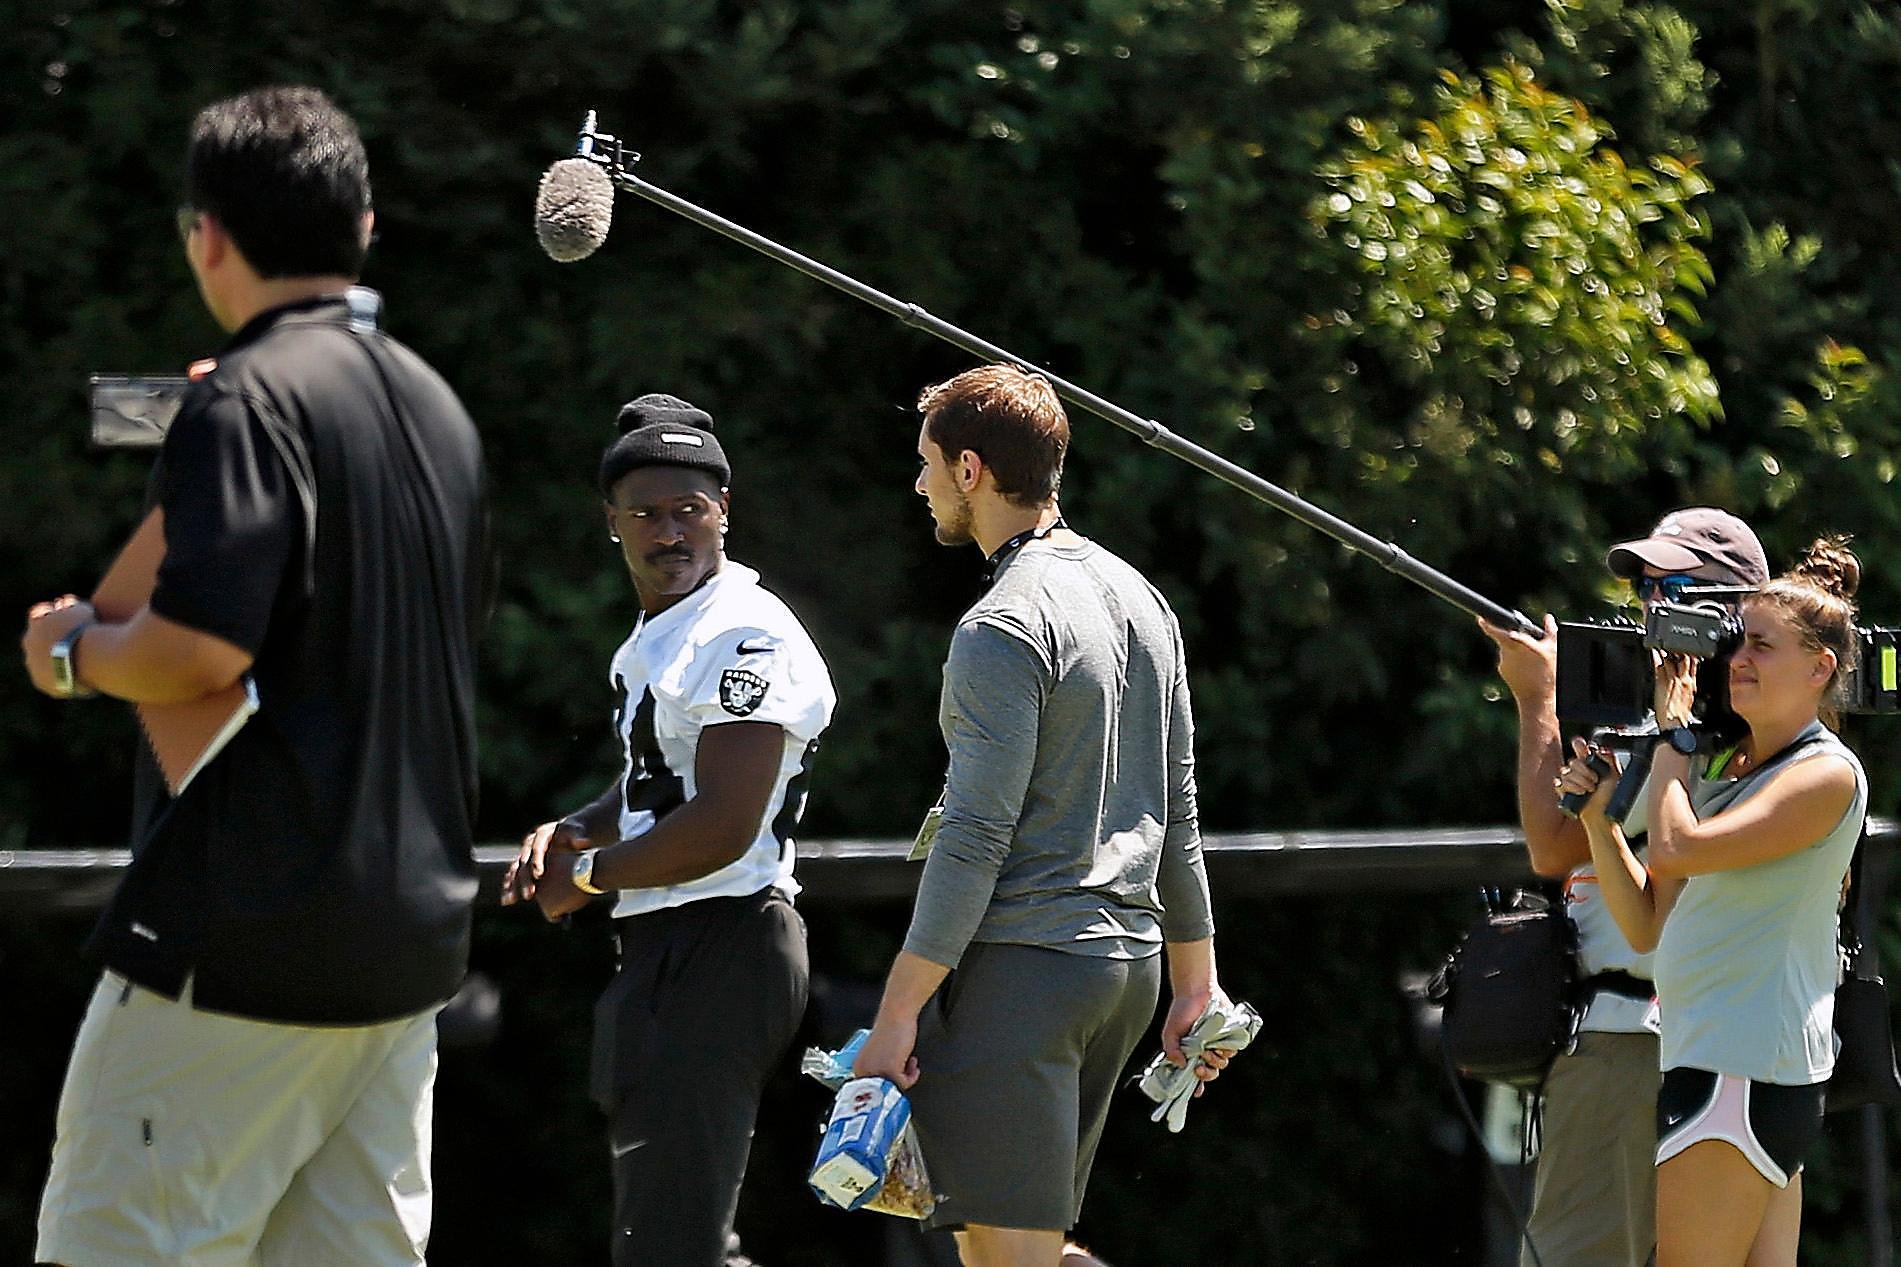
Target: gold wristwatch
583,873
65,667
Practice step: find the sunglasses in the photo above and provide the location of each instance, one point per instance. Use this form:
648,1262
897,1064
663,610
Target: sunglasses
187,222
1669,587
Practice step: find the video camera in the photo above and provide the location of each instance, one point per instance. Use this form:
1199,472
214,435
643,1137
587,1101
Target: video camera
1606,680
1604,667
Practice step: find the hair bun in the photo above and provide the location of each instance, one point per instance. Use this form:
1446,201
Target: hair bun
659,409
1831,566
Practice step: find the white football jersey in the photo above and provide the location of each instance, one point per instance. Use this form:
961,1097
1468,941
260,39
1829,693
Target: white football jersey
728,652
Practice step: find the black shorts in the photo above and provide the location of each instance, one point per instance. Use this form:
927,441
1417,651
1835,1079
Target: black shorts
707,1000
1772,1125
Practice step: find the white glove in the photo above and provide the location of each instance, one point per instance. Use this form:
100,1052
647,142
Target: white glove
1226,1025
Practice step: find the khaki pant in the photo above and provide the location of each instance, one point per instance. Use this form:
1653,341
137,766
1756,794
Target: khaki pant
207,1140
1595,1200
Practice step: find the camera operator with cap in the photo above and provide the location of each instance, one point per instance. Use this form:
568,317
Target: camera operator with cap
1594,1202
721,699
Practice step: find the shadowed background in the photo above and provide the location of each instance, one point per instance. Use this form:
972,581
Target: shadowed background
1497,279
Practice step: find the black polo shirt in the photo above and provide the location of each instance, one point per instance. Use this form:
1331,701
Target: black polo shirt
324,510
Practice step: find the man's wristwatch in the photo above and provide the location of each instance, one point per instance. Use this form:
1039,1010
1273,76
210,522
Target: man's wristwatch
1682,738
65,667
583,873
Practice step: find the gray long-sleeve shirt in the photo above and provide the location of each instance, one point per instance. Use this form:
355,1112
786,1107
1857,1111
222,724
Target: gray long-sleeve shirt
1069,811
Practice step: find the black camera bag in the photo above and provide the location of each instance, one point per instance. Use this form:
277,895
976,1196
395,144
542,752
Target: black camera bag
1865,1071
1508,992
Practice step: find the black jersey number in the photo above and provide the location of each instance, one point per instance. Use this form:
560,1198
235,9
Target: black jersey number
651,784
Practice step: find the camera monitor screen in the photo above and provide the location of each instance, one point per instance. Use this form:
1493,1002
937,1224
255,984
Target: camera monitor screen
132,411
1603,675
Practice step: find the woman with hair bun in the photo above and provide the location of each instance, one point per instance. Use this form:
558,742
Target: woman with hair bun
1749,847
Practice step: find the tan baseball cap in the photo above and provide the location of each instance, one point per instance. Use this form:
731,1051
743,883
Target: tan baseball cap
1685,540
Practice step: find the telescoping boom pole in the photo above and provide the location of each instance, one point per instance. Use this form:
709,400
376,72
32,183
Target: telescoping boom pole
606,150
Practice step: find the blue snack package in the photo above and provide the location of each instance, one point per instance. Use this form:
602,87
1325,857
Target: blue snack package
833,1068
867,1119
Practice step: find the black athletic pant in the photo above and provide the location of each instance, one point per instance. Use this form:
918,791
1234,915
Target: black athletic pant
706,1002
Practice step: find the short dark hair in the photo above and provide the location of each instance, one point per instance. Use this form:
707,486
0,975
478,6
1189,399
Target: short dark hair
1010,418
283,170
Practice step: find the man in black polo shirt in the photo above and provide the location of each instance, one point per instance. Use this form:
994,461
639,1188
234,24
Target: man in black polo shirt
253,1079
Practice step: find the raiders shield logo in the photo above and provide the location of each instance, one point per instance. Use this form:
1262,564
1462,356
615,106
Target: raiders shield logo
740,691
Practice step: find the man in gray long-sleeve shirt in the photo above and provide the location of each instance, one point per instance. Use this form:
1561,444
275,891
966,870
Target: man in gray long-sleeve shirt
1067,852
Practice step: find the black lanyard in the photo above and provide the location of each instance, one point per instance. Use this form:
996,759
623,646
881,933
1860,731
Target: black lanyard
1016,543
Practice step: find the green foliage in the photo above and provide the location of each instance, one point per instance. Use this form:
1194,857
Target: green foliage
1684,291
1516,275
1636,61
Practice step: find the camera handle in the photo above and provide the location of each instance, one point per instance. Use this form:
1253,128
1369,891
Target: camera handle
1643,749
1572,803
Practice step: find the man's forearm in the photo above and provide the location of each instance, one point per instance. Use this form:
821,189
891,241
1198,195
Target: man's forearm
694,840
1555,841
953,897
1181,881
910,985
151,660
735,767
1191,967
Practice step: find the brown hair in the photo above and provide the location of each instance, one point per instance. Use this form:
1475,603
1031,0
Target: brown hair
1010,418
1817,595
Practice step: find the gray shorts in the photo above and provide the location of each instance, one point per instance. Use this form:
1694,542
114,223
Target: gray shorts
1019,1053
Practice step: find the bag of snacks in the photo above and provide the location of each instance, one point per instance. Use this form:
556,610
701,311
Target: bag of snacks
868,1158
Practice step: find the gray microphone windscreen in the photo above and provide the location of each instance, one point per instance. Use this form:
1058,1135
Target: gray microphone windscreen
573,209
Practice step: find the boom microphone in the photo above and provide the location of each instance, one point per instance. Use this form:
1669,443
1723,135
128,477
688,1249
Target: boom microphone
608,165
573,209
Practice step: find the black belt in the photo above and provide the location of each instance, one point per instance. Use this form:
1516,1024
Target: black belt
1618,983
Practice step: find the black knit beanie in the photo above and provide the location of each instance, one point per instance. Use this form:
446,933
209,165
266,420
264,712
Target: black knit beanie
661,430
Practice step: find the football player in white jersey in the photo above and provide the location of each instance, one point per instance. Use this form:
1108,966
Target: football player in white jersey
721,698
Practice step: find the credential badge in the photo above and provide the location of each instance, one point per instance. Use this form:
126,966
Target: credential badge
740,691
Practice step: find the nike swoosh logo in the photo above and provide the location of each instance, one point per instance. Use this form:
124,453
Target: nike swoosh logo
621,1150
755,646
